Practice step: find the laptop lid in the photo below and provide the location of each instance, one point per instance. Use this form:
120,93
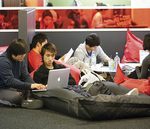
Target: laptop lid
58,78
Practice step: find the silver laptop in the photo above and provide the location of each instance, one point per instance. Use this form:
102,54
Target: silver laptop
57,78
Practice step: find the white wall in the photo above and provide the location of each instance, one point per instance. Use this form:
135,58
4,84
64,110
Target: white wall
140,3
0,3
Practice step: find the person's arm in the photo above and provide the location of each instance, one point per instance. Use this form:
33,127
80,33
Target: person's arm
25,74
9,79
41,75
102,54
79,53
144,68
37,77
97,21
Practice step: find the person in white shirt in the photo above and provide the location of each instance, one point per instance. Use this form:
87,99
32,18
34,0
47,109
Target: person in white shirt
91,45
97,20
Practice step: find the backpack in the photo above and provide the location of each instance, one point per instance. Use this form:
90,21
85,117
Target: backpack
88,77
93,84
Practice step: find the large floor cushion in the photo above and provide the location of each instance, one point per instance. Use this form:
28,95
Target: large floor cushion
95,107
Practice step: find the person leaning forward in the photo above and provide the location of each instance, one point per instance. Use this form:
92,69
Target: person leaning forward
15,80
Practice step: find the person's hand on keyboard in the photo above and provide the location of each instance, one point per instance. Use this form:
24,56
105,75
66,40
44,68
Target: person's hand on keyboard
38,86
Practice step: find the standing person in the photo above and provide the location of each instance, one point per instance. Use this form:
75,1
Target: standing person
14,76
145,68
48,55
34,56
91,45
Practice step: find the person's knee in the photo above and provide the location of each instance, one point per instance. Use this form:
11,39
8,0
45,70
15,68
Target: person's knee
17,99
14,98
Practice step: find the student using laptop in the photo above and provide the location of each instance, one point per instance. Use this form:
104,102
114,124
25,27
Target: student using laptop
15,80
48,53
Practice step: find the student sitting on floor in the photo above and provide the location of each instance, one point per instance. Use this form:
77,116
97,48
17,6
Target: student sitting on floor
143,71
90,47
48,53
15,81
34,56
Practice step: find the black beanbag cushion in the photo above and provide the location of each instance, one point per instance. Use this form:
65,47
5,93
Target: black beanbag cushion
95,107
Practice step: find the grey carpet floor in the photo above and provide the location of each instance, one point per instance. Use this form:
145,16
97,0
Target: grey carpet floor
17,118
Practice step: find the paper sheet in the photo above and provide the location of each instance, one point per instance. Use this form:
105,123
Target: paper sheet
68,55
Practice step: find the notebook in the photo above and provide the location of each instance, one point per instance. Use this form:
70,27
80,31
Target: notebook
68,55
57,78
143,54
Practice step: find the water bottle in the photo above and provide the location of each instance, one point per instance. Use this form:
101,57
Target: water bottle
116,60
111,64
93,59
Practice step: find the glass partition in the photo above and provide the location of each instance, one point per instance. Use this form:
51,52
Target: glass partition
81,18
92,18
8,19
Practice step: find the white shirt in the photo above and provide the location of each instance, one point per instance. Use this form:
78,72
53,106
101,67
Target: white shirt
82,54
97,21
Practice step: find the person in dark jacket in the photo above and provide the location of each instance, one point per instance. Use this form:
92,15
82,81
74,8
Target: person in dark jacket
143,71
145,68
48,53
14,77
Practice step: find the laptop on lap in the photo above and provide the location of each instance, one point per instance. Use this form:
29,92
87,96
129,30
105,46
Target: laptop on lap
57,78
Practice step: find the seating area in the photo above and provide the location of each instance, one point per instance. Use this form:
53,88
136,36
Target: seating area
104,99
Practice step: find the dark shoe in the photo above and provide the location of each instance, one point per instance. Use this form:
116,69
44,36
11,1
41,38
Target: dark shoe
32,104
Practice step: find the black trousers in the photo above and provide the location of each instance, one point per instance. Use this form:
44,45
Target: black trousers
12,96
118,89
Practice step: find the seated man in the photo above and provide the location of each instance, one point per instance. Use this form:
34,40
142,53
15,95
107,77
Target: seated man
15,81
145,69
91,45
34,56
48,55
143,72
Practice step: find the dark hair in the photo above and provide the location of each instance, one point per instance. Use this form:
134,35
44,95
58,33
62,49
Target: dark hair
40,37
46,13
49,47
146,43
17,47
49,4
92,40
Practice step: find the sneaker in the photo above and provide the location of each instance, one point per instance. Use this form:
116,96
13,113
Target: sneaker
32,104
134,91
